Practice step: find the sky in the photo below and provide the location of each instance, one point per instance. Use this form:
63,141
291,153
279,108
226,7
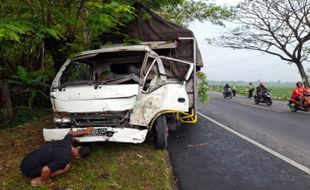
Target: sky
225,64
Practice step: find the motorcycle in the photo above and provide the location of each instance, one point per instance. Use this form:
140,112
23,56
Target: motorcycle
228,93
264,97
294,105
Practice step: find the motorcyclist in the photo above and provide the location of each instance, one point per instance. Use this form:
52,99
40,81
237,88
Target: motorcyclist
260,90
298,93
226,87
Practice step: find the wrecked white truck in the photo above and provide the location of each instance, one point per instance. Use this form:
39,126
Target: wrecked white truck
124,92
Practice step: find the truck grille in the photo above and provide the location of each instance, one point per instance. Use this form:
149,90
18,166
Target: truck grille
100,120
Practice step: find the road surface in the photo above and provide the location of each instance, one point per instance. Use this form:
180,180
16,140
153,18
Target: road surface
206,156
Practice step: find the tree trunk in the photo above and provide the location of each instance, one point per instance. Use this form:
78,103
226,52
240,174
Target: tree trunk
42,55
5,99
53,46
303,74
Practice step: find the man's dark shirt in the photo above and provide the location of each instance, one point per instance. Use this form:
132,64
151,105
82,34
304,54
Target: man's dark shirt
56,155
261,89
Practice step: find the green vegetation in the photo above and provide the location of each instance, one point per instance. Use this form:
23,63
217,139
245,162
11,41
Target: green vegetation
188,11
278,92
22,114
267,26
37,36
110,166
203,88
32,84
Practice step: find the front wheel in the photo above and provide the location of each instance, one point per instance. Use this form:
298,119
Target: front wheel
292,107
161,133
268,101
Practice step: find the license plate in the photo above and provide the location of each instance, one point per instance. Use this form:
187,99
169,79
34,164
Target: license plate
98,132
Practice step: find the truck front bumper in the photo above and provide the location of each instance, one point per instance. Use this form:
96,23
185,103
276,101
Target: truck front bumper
100,134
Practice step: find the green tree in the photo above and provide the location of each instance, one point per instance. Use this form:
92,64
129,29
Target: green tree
203,88
36,36
280,28
32,84
39,34
190,10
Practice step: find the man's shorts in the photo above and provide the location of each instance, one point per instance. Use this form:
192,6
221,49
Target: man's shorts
31,172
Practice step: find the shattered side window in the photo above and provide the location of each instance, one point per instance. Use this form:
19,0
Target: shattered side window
151,75
175,71
77,71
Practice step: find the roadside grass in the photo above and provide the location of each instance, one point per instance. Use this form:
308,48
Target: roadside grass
278,92
110,166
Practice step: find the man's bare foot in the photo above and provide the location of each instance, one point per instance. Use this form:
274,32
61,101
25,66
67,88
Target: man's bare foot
39,181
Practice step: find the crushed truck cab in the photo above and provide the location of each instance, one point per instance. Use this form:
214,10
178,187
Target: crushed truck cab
124,92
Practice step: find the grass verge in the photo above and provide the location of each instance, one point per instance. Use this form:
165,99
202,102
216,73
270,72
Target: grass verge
110,166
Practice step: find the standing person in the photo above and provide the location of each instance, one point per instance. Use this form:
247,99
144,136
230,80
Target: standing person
251,90
53,159
234,90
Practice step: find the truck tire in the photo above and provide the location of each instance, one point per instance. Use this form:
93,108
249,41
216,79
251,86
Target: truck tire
160,133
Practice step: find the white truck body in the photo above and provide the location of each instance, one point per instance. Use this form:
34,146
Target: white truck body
122,103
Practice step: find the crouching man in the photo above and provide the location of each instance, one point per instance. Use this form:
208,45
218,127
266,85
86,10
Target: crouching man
53,159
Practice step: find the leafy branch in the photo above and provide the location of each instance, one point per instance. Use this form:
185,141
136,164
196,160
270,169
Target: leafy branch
203,88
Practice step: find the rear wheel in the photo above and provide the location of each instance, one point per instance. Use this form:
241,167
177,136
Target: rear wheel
230,95
256,100
160,130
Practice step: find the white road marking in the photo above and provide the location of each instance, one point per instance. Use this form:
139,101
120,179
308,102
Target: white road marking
269,150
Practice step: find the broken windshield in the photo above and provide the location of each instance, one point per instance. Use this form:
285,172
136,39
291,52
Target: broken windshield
106,68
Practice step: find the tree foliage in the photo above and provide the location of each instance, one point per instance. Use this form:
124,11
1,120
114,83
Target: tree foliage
36,36
276,27
187,11
203,88
32,84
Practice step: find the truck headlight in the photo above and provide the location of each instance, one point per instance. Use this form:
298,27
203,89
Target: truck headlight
66,120
62,119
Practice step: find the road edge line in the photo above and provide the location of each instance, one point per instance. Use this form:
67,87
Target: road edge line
265,148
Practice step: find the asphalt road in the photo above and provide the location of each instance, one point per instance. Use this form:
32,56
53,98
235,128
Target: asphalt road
276,127
206,156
